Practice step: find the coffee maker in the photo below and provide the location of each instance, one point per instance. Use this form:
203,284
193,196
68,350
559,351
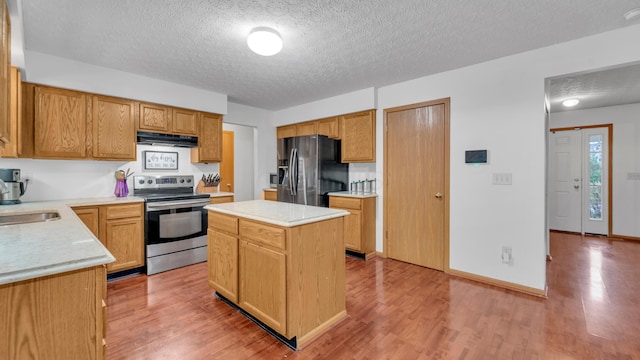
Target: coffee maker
11,188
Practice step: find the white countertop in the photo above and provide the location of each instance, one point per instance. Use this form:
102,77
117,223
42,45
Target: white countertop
33,250
221,193
353,195
277,213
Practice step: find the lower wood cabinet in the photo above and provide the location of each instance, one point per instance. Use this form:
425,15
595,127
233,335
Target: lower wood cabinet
360,225
223,265
221,199
56,317
270,195
120,228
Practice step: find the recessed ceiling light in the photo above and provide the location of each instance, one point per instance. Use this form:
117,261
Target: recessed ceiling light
632,14
264,41
570,102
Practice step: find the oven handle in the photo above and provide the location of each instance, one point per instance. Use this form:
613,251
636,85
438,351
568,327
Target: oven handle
170,205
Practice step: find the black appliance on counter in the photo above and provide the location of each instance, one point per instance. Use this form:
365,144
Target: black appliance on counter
175,230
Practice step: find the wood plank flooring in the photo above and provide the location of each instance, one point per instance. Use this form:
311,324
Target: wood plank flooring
402,311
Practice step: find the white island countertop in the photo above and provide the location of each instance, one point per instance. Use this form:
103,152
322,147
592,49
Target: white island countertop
33,250
277,213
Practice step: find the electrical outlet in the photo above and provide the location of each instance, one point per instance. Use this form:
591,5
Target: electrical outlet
506,255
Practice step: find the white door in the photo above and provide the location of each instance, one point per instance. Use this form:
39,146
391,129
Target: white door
578,180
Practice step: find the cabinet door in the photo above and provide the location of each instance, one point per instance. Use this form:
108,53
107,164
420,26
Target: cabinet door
353,230
89,216
358,134
263,285
14,147
221,199
113,128
270,195
286,131
223,264
60,123
5,65
154,117
209,140
124,238
185,121
306,128
329,127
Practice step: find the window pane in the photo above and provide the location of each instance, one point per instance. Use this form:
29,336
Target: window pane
595,177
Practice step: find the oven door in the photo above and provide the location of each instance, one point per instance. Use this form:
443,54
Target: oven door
175,220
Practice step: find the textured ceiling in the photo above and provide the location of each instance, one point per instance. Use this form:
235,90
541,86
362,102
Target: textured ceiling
331,47
617,86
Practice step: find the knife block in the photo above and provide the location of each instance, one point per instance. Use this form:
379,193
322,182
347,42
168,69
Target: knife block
201,189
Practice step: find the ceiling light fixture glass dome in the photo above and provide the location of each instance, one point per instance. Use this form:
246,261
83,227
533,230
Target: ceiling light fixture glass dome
264,41
570,102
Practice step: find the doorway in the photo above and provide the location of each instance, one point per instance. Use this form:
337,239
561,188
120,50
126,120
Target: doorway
579,179
416,183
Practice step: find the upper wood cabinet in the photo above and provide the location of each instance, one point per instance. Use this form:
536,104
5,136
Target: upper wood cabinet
358,134
5,67
14,148
113,128
209,139
306,128
329,127
60,123
286,131
185,121
154,117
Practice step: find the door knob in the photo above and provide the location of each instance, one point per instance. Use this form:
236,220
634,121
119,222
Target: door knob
438,195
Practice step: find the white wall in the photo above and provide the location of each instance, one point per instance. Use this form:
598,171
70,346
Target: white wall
265,140
243,145
626,158
56,71
72,179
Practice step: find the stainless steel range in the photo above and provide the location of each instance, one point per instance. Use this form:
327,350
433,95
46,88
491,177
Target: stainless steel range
175,229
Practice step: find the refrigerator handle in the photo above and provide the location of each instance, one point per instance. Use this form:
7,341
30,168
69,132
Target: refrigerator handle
294,184
290,172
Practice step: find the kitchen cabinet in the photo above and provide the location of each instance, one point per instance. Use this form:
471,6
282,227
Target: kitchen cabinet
184,122
270,195
15,148
209,139
263,284
358,134
329,127
289,278
5,74
222,245
360,225
55,317
154,118
286,131
221,199
120,228
60,123
306,128
113,122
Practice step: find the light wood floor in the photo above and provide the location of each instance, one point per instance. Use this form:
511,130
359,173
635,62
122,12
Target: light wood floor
402,311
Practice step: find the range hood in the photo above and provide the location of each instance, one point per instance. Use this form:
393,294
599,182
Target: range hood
151,138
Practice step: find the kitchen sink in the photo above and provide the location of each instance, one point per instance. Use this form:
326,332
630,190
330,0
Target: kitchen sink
29,217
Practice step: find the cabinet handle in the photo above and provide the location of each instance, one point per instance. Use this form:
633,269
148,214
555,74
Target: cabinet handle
438,195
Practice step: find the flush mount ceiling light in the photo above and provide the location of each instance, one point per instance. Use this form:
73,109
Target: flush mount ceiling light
570,102
264,41
632,14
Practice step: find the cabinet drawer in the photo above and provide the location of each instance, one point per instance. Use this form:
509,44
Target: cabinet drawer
220,199
124,211
263,234
223,222
344,202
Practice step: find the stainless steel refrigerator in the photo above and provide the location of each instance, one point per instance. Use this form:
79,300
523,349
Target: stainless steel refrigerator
309,167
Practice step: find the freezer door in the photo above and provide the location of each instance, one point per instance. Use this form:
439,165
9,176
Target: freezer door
286,190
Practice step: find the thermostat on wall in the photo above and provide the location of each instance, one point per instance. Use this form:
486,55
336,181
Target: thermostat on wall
475,156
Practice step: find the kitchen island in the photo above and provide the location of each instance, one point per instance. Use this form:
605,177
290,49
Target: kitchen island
281,264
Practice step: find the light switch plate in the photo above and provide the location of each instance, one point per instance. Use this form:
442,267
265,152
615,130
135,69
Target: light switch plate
501,179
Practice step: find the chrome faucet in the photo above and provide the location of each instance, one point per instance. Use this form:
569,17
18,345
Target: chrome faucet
3,187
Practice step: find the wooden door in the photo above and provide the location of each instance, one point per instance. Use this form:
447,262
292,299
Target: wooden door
114,134
5,66
358,134
227,163
263,285
154,117
416,192
60,123
123,238
209,140
353,230
90,218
